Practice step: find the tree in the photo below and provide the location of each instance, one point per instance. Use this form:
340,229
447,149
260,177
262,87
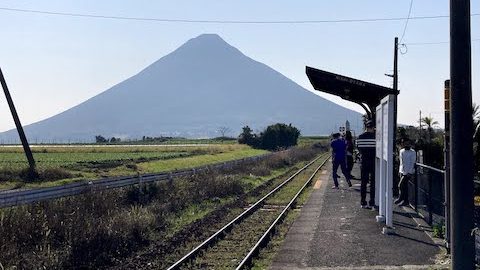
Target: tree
429,122
100,139
114,140
274,137
223,131
279,136
248,137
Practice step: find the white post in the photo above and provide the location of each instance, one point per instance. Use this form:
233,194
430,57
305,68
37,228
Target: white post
378,153
379,183
390,159
384,153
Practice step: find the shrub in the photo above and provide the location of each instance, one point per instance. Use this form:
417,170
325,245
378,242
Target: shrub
260,170
279,136
98,228
142,193
100,139
274,137
41,174
248,137
53,174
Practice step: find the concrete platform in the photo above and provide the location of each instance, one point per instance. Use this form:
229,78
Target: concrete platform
332,231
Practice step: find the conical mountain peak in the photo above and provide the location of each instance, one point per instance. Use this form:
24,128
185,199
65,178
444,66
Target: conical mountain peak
201,86
203,56
208,38
210,44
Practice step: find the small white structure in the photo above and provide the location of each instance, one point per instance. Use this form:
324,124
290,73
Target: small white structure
384,162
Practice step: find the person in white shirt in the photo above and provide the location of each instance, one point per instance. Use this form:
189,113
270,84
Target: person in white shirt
408,158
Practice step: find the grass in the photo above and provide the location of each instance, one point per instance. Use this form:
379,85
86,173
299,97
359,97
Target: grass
190,162
267,254
193,213
198,211
309,140
97,229
170,141
226,253
74,163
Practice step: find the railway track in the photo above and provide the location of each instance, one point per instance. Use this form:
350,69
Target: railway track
236,244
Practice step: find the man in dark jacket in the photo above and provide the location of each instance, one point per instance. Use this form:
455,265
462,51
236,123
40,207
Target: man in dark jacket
366,146
339,148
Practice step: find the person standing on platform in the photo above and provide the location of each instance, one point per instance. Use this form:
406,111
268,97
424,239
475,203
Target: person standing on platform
339,146
350,146
408,157
366,146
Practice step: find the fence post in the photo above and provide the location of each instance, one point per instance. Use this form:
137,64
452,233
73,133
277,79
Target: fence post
430,206
415,187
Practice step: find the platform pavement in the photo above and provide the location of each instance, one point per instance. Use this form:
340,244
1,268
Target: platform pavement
333,232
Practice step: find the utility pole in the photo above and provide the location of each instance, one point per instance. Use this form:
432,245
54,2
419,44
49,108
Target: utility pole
21,133
395,106
420,120
461,144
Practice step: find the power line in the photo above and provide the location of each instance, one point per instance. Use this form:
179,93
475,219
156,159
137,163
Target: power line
167,20
404,48
433,43
406,22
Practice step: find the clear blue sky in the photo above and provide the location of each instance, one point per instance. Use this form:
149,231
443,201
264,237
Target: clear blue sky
52,63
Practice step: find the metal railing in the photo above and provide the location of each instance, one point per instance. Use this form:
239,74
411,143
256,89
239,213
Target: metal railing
427,193
427,196
18,197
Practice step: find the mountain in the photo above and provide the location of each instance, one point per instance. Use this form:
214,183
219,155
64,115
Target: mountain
201,86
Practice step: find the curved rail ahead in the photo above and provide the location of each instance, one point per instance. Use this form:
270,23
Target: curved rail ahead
220,233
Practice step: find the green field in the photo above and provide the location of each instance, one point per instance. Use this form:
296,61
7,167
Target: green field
60,164
93,162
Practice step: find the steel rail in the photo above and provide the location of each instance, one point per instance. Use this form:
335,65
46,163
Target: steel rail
210,240
268,233
18,197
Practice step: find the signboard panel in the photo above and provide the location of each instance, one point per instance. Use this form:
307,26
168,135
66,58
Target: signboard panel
385,127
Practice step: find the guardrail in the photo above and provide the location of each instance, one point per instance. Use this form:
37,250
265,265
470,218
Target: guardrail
19,197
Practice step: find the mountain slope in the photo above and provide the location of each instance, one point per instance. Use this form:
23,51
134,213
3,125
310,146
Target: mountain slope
191,92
